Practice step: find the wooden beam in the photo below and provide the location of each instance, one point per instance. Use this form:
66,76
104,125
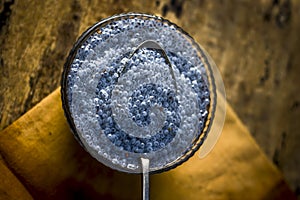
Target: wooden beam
10,186
42,152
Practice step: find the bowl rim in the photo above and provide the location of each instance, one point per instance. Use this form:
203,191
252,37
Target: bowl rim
204,57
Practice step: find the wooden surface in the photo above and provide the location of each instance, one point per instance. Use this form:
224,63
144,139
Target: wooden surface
255,44
10,186
40,149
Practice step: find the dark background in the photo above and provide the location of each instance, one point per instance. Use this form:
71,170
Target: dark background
256,45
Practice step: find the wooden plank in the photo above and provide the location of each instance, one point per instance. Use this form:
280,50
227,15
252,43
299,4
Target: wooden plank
40,149
10,186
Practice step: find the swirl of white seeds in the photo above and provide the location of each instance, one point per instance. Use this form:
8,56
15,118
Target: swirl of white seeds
123,115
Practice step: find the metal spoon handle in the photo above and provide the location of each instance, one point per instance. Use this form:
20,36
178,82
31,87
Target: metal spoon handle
145,166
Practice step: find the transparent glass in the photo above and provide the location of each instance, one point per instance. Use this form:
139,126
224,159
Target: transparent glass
102,74
218,121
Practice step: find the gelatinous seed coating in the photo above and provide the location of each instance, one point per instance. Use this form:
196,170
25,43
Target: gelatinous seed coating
125,103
